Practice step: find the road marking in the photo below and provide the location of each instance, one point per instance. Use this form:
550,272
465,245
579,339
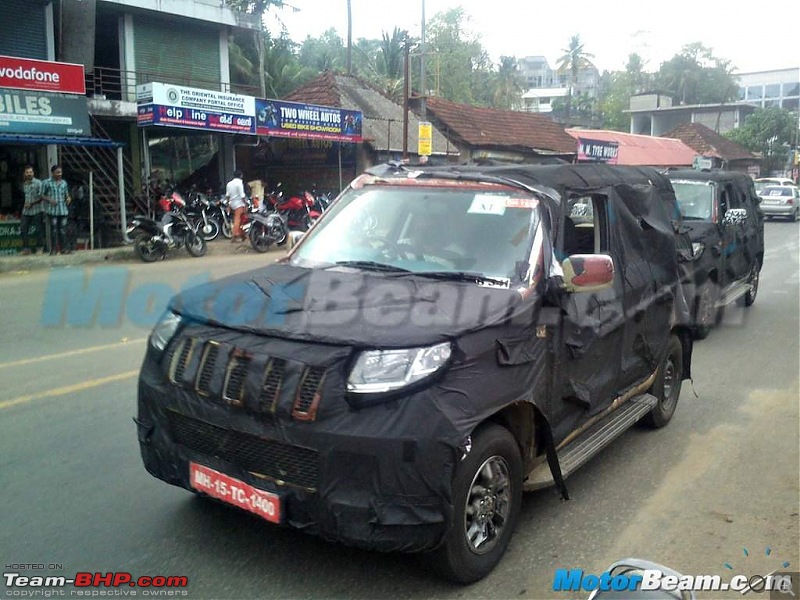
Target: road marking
37,359
69,389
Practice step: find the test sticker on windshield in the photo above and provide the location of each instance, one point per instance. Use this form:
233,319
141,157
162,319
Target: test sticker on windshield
488,204
529,203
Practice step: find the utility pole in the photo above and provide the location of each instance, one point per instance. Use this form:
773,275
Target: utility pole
423,88
349,37
406,94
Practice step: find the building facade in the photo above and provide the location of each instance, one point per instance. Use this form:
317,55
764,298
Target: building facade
545,84
780,87
653,113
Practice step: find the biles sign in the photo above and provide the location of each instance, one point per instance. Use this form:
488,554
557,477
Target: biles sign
41,75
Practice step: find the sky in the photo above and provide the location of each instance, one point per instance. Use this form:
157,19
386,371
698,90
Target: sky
752,36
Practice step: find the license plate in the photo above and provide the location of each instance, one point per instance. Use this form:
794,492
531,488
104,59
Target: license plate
235,492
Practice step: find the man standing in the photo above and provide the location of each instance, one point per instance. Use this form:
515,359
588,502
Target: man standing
234,192
55,192
33,213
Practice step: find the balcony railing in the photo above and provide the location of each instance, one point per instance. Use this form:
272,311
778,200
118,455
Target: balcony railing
116,84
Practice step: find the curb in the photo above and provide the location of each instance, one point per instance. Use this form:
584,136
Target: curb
34,262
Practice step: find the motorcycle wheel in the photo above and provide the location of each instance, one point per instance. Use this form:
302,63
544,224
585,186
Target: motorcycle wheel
227,229
146,249
263,236
210,230
196,245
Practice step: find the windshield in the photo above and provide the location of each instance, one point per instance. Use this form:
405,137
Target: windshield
423,228
695,199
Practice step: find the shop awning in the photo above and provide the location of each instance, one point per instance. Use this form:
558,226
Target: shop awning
10,138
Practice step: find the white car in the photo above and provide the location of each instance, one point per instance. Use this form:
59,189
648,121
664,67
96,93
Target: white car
780,201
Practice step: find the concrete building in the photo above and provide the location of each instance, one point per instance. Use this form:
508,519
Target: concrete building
780,87
544,84
653,113
120,44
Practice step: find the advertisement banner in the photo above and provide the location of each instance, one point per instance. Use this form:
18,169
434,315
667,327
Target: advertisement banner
296,120
168,105
41,75
425,145
43,113
597,151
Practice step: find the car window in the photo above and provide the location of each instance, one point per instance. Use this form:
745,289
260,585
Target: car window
585,225
695,199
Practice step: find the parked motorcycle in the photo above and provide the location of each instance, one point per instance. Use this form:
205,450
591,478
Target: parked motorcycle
298,212
265,230
200,211
154,239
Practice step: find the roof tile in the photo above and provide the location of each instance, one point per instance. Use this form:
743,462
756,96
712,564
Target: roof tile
709,143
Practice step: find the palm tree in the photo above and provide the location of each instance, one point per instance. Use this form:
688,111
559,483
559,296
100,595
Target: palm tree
574,59
508,83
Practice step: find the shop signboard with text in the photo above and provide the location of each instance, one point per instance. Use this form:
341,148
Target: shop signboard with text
168,105
41,75
597,151
42,113
297,120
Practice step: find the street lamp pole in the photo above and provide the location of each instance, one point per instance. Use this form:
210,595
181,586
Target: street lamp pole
423,88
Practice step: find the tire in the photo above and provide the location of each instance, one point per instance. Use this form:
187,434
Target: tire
463,560
227,229
706,316
196,245
793,218
145,248
213,230
667,386
769,217
262,236
755,276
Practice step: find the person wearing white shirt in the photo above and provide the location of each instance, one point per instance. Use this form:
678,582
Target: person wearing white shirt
234,192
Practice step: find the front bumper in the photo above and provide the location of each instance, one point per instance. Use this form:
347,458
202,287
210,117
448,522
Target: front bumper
378,478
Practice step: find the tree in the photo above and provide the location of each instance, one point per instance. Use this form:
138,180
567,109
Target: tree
574,59
327,52
696,76
769,131
259,8
508,88
616,89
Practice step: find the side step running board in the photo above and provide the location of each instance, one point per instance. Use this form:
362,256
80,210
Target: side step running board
734,292
579,451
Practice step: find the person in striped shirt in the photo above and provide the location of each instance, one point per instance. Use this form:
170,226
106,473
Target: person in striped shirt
55,192
33,213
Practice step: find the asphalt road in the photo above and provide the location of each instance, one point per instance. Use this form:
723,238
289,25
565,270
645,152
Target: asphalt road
723,476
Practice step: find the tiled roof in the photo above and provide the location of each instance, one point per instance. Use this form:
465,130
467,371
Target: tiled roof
641,150
709,143
484,127
383,117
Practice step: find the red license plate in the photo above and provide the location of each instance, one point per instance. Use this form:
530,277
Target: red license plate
235,492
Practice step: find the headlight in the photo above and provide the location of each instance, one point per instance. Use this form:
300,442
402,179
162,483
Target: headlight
697,249
164,330
379,371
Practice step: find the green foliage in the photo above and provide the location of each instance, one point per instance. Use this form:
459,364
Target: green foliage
325,53
508,85
616,90
696,76
769,131
572,61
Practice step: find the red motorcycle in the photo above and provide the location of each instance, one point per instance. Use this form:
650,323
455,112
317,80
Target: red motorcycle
299,212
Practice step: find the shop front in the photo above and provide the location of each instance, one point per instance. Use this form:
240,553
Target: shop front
42,107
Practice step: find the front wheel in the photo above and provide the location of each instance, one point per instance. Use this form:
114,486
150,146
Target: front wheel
210,229
667,386
264,235
195,244
487,497
755,275
227,229
707,313
146,249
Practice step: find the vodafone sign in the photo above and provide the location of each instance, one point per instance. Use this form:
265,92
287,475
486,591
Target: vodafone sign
41,75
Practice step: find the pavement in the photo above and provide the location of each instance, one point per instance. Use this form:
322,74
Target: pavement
723,477
32,262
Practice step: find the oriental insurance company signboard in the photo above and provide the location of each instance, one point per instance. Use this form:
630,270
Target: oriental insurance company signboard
167,105
42,76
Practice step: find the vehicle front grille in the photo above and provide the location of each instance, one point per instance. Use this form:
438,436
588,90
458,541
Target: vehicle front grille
233,390
180,359
206,370
283,463
308,394
271,389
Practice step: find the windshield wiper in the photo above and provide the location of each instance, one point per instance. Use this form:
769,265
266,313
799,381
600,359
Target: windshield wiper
464,276
370,265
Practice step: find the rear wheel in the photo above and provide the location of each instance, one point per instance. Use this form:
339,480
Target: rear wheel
793,218
487,496
227,230
264,235
195,244
147,249
667,386
707,314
